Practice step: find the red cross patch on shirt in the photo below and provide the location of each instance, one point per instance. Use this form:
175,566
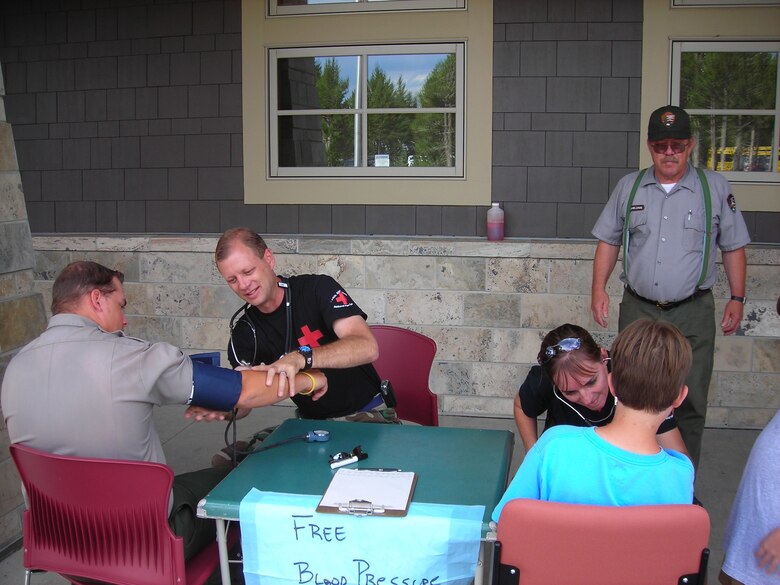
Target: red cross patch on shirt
309,337
341,298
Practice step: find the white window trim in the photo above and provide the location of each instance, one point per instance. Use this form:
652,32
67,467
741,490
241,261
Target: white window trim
275,171
723,3
364,6
731,46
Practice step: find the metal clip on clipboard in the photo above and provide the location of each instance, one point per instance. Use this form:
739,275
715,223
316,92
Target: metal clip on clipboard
354,491
361,508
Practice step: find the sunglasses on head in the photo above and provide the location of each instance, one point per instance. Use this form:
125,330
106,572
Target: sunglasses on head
677,146
564,345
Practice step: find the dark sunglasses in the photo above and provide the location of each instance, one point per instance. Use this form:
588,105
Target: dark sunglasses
564,345
677,146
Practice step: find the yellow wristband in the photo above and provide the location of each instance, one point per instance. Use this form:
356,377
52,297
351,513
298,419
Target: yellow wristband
313,384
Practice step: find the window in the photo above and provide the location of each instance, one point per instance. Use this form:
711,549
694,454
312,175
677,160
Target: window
400,116
740,3
730,90
285,7
367,111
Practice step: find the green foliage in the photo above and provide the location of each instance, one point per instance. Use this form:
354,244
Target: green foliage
428,137
389,133
434,134
729,81
337,129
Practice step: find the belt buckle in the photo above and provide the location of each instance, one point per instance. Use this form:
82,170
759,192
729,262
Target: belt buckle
663,305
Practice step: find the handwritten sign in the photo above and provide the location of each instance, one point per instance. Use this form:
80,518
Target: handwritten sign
285,542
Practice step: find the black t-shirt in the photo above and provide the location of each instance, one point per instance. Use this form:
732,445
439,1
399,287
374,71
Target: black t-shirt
537,395
316,301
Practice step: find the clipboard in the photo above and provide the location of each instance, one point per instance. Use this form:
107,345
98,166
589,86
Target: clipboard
365,492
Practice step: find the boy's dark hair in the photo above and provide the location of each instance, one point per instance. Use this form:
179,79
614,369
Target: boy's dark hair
650,362
576,361
249,238
78,278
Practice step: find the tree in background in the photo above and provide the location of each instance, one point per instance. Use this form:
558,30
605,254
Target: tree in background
434,134
722,81
427,139
389,133
337,129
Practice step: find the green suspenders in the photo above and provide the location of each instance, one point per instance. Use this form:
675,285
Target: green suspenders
707,219
707,226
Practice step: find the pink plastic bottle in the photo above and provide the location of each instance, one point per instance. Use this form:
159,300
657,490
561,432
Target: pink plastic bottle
495,223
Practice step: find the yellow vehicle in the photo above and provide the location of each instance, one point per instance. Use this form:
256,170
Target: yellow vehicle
757,158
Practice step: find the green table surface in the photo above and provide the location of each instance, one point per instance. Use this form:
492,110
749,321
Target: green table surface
453,466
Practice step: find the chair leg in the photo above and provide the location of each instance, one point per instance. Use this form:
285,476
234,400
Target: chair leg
28,573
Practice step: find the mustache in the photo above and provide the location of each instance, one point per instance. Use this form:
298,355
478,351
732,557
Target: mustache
673,159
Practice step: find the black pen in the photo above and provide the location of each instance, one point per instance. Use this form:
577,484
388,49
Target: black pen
380,469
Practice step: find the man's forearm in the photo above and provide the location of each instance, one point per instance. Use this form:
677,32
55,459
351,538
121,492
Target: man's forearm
346,352
735,265
255,392
603,264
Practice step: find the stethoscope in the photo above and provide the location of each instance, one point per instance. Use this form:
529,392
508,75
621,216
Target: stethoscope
241,312
318,436
589,422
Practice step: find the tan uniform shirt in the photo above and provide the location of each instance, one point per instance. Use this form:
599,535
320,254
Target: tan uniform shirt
78,390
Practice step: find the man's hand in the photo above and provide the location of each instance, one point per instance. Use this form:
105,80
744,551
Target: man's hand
603,263
204,414
599,306
735,265
768,553
285,367
322,380
732,317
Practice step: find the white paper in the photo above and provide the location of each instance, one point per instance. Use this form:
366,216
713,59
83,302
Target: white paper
389,490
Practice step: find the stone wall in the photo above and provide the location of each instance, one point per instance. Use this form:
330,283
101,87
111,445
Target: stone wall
22,315
486,304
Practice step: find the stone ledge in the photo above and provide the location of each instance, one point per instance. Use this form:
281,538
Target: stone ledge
373,246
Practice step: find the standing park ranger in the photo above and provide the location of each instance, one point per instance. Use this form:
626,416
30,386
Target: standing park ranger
669,219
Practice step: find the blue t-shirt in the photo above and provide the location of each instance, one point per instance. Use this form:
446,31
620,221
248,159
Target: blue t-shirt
574,465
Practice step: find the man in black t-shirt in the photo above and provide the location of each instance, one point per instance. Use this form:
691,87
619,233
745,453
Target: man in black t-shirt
296,324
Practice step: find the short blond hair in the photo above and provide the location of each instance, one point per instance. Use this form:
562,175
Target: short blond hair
249,238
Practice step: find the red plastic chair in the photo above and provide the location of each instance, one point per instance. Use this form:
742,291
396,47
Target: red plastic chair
549,543
105,520
405,358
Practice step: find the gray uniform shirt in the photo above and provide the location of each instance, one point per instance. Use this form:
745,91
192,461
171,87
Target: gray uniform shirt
78,390
666,234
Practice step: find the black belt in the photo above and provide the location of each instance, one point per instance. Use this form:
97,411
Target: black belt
671,305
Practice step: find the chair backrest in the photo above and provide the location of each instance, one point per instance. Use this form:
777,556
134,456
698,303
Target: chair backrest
405,358
100,519
549,543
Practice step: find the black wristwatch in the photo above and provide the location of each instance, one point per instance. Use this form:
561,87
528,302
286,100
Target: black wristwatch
742,300
305,351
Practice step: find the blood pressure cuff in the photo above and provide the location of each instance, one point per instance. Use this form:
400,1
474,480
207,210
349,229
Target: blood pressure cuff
214,387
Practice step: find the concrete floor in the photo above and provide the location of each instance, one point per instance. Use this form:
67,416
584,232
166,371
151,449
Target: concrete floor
190,446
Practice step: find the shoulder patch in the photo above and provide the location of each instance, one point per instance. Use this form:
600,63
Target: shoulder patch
732,201
340,300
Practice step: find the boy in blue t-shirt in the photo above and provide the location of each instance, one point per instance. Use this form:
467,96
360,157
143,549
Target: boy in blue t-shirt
619,464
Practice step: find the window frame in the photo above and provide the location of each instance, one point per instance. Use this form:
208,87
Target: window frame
722,3
680,46
362,109
346,7
473,26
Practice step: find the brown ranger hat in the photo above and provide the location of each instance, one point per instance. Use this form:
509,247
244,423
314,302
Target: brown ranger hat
668,122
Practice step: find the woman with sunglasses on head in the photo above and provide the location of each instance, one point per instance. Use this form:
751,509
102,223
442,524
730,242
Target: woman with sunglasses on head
570,385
